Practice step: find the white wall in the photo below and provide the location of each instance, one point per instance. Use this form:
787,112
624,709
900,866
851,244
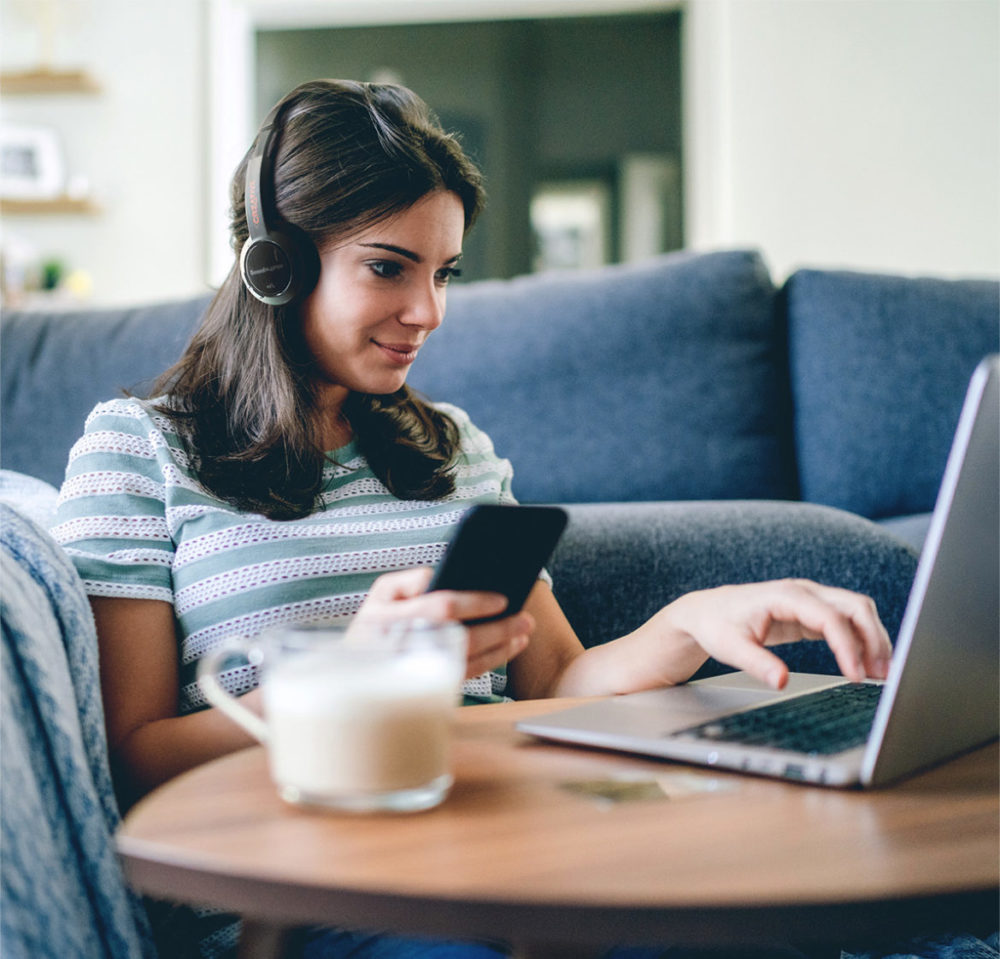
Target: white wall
141,142
859,133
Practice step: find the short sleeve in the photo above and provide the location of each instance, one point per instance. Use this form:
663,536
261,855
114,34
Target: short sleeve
479,468
112,512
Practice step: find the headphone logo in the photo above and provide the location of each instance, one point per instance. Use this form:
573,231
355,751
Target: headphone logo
254,204
272,267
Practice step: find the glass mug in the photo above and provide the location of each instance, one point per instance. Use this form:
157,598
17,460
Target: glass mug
355,718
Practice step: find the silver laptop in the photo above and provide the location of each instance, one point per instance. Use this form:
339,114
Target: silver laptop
941,695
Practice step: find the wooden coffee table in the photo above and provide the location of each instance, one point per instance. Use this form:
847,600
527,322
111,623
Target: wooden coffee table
523,852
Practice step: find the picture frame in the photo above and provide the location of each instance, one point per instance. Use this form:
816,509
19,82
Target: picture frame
571,221
31,163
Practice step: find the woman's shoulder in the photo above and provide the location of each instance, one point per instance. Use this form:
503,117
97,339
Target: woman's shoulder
472,440
458,416
128,413
468,432
127,426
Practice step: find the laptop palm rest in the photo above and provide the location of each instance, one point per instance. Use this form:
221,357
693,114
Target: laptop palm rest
657,713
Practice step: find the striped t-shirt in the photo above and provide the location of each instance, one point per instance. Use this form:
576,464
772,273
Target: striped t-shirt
138,524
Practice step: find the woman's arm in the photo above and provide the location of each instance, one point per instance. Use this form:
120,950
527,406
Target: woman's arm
148,741
734,624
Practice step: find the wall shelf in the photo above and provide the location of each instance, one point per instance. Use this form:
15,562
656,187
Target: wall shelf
43,80
58,205
22,82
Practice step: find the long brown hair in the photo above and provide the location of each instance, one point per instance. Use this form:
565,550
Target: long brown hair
347,155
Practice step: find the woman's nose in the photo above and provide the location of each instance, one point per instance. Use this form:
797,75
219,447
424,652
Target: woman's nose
426,307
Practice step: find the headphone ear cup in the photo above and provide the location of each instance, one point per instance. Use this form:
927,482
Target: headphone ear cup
267,266
280,268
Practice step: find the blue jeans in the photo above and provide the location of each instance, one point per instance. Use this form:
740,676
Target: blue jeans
337,944
340,944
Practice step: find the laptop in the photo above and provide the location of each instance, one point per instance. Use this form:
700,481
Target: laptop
941,694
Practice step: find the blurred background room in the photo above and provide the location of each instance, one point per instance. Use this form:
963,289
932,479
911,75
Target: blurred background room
837,133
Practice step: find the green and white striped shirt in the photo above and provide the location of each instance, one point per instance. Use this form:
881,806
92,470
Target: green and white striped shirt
138,524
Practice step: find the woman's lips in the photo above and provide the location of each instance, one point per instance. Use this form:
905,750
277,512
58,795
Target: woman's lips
401,353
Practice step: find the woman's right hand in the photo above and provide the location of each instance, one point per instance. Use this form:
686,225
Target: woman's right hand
403,595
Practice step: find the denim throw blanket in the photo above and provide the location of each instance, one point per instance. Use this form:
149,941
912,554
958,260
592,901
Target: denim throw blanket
64,895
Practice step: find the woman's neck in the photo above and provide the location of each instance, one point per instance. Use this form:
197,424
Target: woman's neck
335,433
333,427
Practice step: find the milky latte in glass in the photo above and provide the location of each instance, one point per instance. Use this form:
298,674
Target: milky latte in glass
356,719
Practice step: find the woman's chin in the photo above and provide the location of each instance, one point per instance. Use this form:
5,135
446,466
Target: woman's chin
383,385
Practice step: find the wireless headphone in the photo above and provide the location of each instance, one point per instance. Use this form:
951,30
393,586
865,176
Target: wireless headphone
275,268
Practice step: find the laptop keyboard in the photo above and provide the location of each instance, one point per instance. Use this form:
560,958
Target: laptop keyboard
824,722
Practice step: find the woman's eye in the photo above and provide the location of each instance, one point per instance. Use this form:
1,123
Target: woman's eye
448,273
386,269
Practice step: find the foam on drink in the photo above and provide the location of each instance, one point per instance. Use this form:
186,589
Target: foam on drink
367,724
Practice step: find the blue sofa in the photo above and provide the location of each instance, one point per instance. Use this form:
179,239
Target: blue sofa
702,424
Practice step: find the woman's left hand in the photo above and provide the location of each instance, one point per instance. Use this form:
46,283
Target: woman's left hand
734,624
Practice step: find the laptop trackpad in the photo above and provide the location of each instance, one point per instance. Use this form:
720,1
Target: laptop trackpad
665,710
658,712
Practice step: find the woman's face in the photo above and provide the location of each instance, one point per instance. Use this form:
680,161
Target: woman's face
380,295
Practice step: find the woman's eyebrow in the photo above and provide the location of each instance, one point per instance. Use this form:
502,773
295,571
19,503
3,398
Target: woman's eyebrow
402,251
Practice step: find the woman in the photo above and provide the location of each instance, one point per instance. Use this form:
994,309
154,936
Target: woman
285,471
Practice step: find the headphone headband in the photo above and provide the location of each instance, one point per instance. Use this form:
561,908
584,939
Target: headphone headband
271,268
253,200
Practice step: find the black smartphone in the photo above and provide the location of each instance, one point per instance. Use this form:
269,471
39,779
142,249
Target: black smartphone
500,549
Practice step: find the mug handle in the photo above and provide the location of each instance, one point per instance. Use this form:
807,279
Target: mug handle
209,667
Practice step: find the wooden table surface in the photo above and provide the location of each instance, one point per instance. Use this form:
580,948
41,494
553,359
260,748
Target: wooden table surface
515,853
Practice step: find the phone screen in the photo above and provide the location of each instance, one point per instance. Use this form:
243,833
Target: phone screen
501,549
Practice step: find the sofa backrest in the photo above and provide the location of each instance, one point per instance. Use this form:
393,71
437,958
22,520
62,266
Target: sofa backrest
55,367
879,367
658,381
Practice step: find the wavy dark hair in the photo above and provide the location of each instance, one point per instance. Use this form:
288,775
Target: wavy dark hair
345,156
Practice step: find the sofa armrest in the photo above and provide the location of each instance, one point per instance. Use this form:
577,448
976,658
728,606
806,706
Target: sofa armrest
618,564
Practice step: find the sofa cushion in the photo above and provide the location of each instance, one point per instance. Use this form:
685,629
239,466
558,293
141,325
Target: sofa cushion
879,370
662,380
55,367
